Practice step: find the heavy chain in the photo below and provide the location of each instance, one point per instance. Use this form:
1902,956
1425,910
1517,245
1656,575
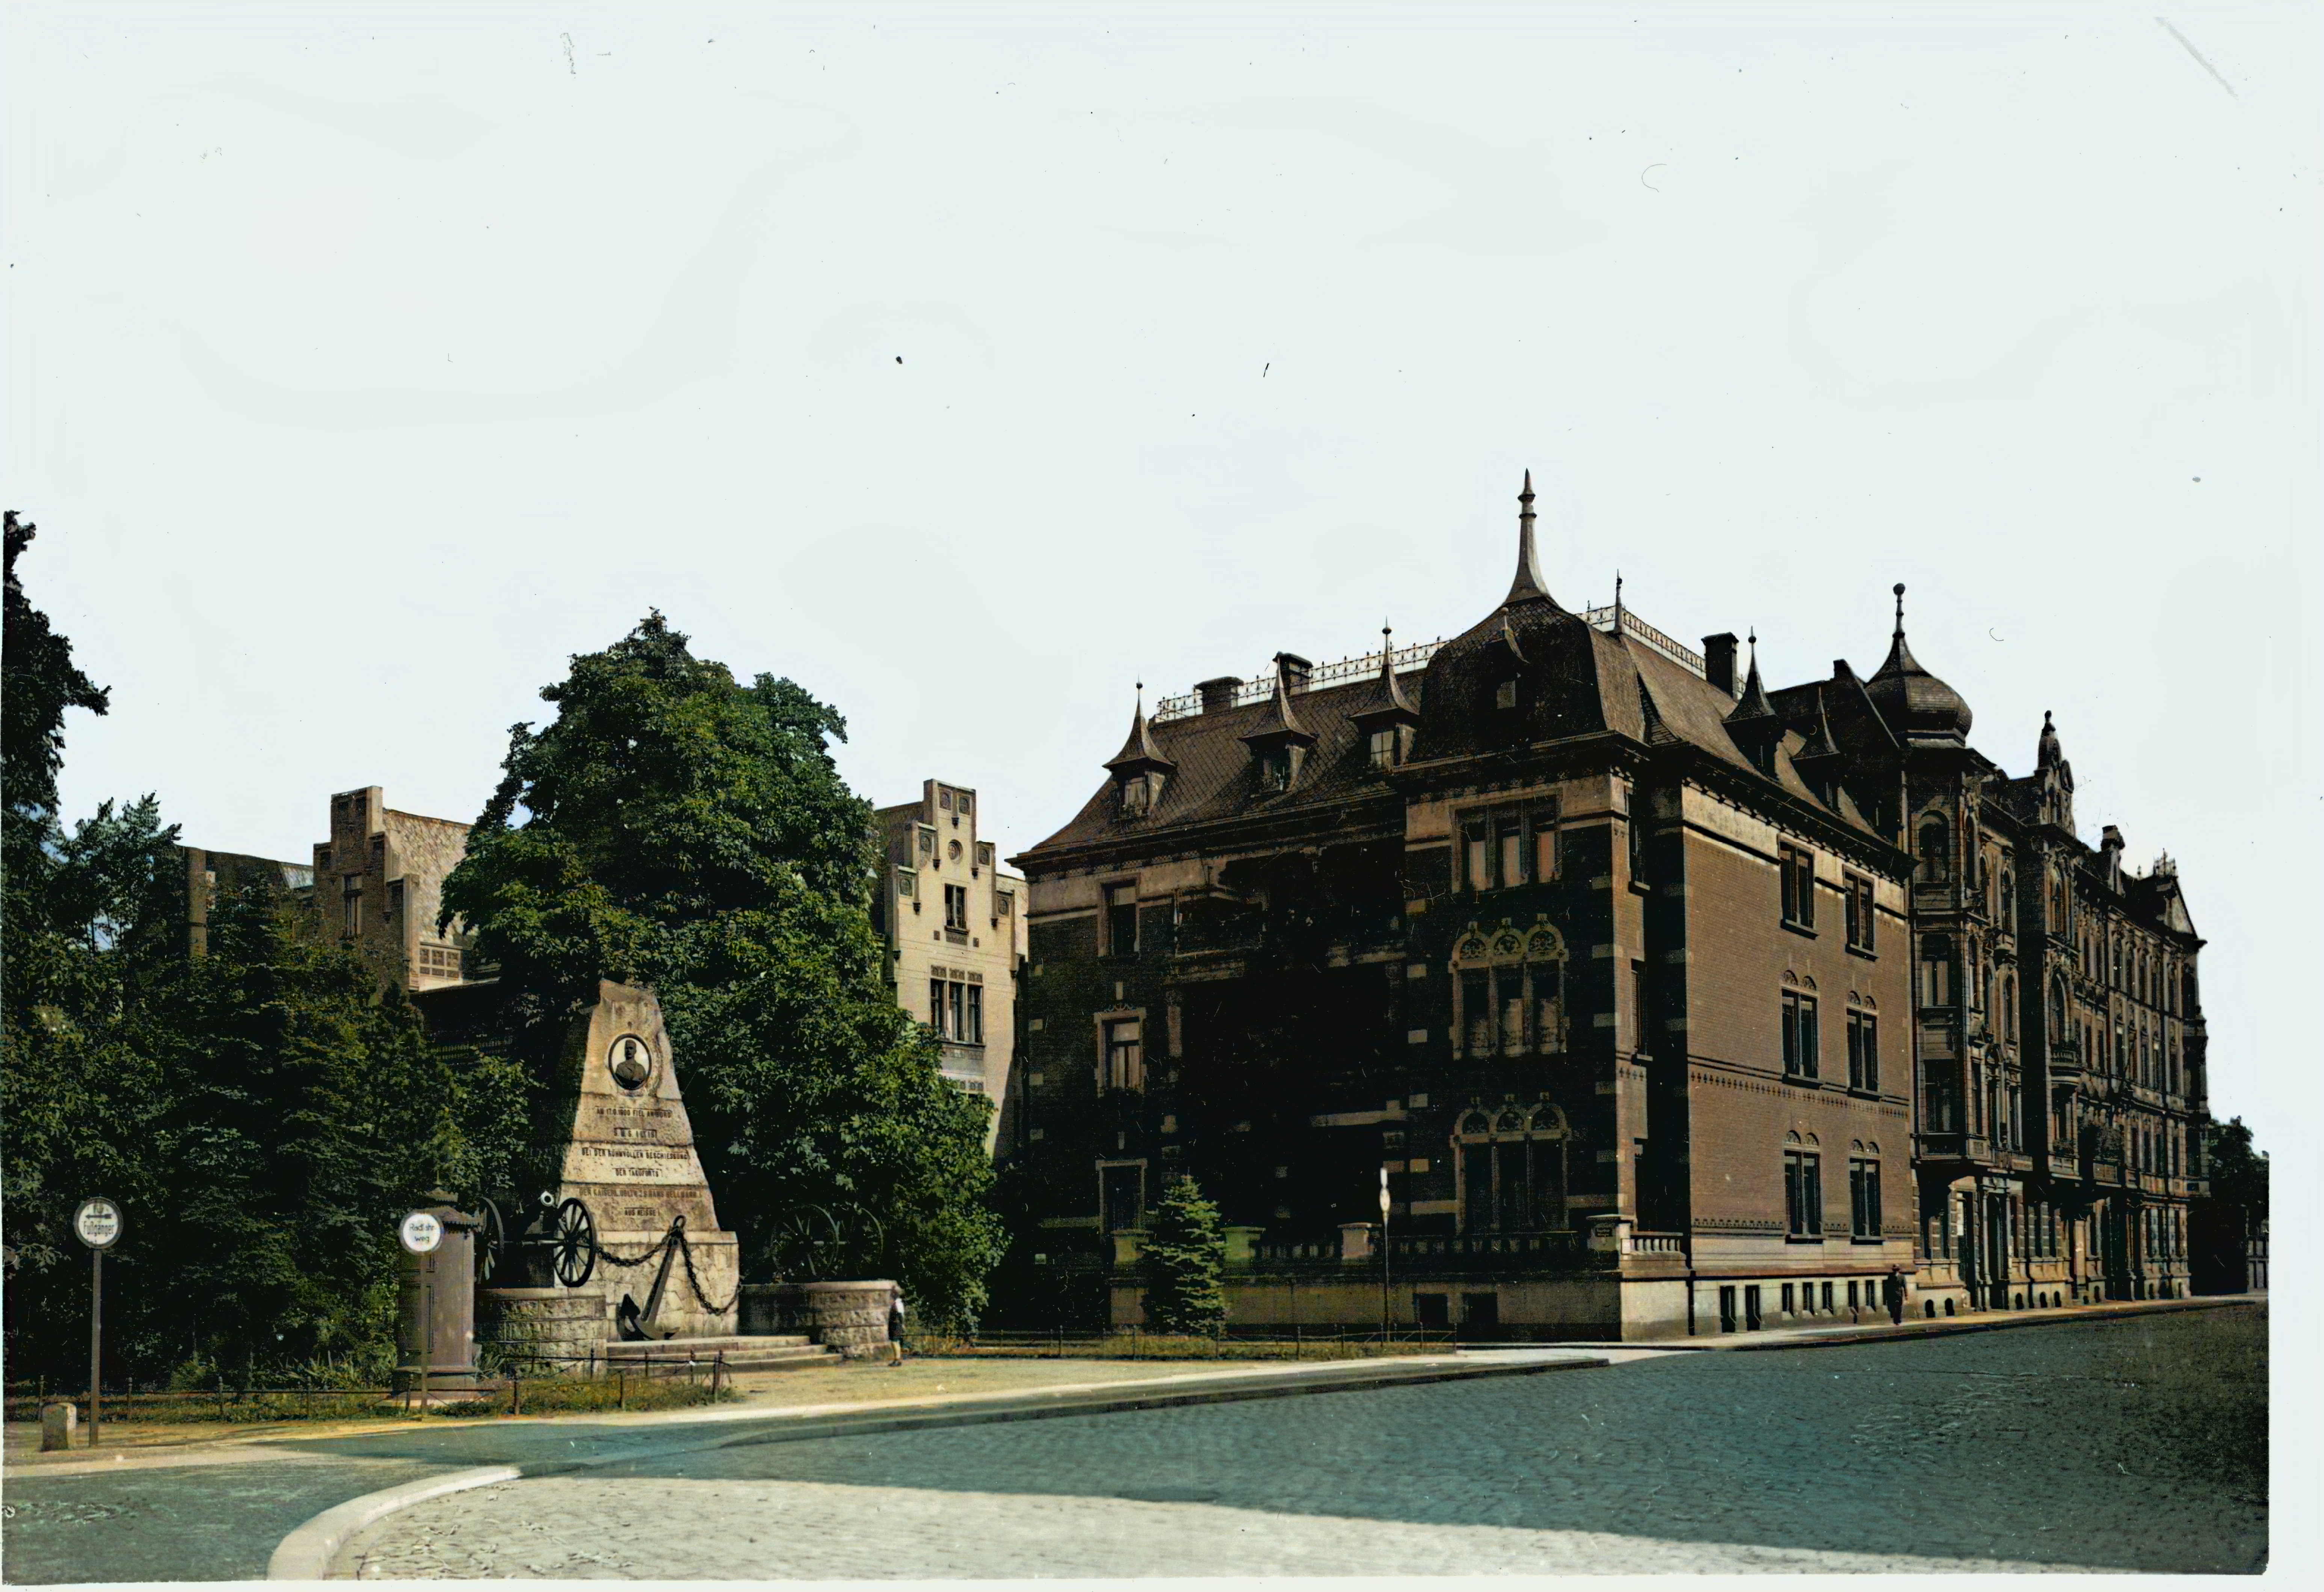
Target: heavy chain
686,1253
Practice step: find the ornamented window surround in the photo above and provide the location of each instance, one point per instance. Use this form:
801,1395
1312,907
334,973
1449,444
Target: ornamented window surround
1505,954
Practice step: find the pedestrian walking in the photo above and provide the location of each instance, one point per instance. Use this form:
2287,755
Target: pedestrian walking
1893,1290
895,1326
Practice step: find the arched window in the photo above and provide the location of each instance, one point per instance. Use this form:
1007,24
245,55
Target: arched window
1508,992
2009,1007
2057,1011
1513,1169
1936,850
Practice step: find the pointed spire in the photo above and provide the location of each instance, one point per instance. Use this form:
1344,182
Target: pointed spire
1753,724
1394,707
1528,585
1820,743
1138,754
1753,704
2050,754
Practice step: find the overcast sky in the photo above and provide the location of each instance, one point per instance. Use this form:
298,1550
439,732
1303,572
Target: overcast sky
366,362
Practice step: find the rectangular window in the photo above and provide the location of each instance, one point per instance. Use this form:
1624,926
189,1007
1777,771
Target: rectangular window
1800,1041
936,1004
1476,855
1863,1053
1859,912
1512,851
1750,1307
1864,1199
956,1012
1383,748
1826,1299
1125,1056
351,903
1545,845
972,1029
1121,919
1803,1194
1789,1308
956,907
1798,869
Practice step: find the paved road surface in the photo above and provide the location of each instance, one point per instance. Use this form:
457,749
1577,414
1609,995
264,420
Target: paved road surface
2027,1448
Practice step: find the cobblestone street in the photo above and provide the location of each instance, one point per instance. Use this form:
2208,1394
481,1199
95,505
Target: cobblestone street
2055,1447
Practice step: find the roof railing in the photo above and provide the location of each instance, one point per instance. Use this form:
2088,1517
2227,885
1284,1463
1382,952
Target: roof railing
1259,687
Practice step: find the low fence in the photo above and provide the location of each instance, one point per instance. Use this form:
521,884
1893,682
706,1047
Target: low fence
578,1384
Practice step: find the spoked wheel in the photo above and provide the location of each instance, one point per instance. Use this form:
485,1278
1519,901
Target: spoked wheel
572,1243
492,1233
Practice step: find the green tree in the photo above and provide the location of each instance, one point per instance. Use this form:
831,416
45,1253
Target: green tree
262,1112
675,829
1184,1256
2238,1173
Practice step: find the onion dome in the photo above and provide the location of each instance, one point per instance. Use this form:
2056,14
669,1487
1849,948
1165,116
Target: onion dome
1920,708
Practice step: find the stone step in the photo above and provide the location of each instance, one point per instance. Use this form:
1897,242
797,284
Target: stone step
701,1349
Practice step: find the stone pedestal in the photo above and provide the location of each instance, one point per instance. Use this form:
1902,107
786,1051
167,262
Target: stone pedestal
848,1318
438,1287
58,1421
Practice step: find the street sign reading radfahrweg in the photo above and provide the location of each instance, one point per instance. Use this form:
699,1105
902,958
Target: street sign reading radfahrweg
98,1223
420,1231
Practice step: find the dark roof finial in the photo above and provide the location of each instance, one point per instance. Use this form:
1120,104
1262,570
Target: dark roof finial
1528,586
1900,610
1753,704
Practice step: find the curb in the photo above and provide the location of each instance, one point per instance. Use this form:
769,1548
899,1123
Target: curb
306,1554
1101,1402
2004,1322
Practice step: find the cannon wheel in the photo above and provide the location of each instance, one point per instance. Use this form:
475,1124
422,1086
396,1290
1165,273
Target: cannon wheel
492,1233
572,1243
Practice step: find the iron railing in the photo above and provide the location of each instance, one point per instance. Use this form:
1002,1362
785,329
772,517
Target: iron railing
1258,687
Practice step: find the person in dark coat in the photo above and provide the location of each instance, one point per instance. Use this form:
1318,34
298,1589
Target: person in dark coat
1893,1293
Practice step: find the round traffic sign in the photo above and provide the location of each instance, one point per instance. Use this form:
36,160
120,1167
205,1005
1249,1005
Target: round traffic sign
98,1223
420,1231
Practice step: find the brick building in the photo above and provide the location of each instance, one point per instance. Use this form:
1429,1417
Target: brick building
954,924
1618,978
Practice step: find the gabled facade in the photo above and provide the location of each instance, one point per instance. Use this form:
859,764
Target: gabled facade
1587,961
954,924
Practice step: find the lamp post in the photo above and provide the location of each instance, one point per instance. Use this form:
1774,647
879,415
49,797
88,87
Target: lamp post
1383,1256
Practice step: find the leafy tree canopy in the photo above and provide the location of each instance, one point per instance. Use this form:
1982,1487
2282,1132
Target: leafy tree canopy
675,829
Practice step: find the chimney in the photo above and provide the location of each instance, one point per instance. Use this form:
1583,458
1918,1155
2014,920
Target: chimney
1718,660
1218,695
1296,669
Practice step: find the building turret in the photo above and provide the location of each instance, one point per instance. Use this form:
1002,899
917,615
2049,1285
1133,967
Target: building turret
1139,769
1921,709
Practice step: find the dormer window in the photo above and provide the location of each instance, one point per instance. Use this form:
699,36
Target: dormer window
1138,793
1504,695
1383,748
1276,767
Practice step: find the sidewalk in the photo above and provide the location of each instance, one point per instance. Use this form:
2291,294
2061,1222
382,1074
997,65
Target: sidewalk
1787,1338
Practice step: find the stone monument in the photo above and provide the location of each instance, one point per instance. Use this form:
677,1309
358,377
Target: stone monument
629,1236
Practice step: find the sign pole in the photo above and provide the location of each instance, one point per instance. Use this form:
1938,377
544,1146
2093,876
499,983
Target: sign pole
95,1338
427,1314
419,1234
97,1224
